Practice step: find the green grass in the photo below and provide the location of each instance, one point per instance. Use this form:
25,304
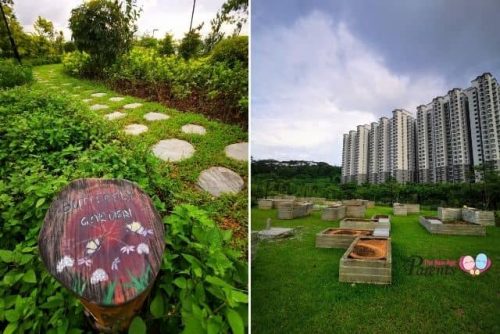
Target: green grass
209,148
295,287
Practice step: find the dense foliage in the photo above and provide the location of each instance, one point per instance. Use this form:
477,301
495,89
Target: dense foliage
12,74
77,63
233,51
44,46
47,141
104,30
309,179
212,88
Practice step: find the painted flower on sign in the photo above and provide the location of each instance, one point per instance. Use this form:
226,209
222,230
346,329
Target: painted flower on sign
127,249
114,265
142,248
66,261
84,261
98,276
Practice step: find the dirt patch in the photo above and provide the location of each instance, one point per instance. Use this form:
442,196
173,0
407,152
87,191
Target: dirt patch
348,232
457,222
370,249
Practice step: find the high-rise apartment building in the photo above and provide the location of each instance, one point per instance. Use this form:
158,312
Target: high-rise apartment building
450,135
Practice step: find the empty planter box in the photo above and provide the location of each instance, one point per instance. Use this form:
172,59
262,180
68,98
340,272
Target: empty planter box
358,223
367,260
475,216
435,225
265,204
447,214
333,213
339,237
355,211
293,210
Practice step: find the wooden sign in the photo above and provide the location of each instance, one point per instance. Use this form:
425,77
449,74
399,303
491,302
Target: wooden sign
103,240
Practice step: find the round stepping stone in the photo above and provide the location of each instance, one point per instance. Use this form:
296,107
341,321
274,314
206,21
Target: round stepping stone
155,116
116,99
173,150
115,115
237,151
98,94
135,129
86,100
220,180
98,107
132,105
193,128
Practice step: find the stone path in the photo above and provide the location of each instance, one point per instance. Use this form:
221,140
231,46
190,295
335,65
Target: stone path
132,106
193,128
155,116
135,129
173,150
115,115
216,180
237,151
220,180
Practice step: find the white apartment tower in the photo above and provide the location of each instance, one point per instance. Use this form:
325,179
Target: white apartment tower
451,135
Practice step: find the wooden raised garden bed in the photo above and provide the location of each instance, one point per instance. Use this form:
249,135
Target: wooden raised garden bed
436,226
333,213
359,223
339,237
367,260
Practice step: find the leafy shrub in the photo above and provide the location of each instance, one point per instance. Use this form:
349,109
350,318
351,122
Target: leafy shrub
167,45
45,60
191,45
77,63
231,51
215,83
47,141
14,75
104,30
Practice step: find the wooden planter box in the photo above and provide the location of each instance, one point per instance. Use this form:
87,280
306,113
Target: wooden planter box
412,208
333,213
292,210
265,204
447,214
399,209
325,239
355,211
475,216
370,204
433,226
356,223
374,271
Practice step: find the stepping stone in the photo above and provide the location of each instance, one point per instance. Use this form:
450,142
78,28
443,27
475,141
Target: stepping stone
193,128
132,105
237,151
98,94
155,116
66,84
98,107
77,87
115,115
173,150
135,129
276,233
87,100
116,99
220,180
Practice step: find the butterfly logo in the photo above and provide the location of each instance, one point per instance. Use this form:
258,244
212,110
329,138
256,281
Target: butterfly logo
92,246
474,267
136,227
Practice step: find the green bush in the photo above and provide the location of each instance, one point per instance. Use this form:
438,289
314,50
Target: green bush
77,64
104,30
231,51
48,141
45,60
14,75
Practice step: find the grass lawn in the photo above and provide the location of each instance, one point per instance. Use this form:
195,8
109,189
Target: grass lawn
295,287
229,210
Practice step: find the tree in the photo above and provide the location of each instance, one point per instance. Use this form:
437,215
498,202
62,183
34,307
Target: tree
167,45
104,29
191,45
232,12
44,28
10,30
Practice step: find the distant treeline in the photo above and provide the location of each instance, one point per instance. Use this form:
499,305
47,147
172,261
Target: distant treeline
319,179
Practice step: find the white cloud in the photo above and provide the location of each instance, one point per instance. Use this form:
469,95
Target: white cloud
171,16
314,81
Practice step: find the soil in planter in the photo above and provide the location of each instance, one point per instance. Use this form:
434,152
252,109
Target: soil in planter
348,232
370,249
457,222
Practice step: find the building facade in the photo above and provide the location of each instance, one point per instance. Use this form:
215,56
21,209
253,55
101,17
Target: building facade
449,138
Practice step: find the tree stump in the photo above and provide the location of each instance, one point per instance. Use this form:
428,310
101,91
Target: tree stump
104,241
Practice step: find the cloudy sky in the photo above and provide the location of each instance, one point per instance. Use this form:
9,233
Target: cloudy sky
171,16
319,68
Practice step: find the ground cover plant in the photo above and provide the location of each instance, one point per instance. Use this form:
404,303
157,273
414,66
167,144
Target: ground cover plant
49,136
12,74
295,287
